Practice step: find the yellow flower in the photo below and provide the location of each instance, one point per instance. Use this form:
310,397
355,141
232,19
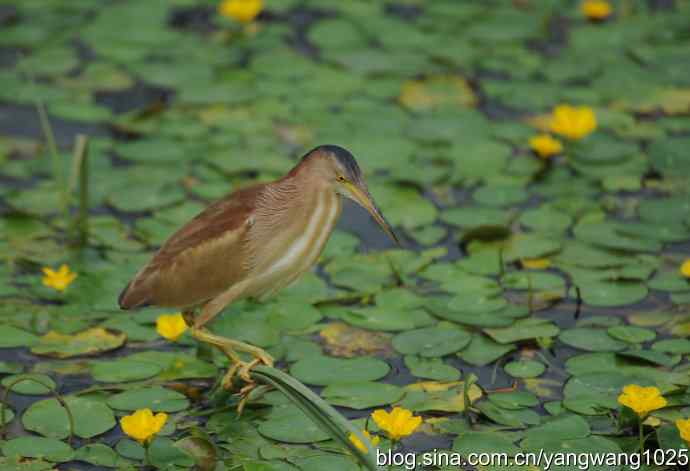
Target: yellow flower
536,263
685,268
244,11
642,400
596,9
684,429
398,423
58,280
545,146
359,444
573,122
143,425
171,326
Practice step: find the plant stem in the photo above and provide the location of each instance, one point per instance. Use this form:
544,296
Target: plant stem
641,431
147,456
81,169
58,170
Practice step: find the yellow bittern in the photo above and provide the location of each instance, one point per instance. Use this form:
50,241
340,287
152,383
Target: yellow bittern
251,244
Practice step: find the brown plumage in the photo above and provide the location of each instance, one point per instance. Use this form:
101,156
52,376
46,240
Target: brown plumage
253,242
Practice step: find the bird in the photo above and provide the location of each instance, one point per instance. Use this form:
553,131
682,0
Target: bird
251,244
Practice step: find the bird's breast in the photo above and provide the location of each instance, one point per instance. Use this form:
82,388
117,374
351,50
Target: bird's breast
294,243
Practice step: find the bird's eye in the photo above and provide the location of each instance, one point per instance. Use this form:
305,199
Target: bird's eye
341,178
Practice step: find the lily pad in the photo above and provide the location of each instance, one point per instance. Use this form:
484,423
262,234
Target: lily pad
362,395
88,342
31,384
324,371
156,398
524,369
123,370
50,419
49,449
592,340
11,337
290,425
431,368
431,341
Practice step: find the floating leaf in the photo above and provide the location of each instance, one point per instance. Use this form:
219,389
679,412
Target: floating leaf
50,419
11,337
88,342
323,371
432,341
38,447
363,395
123,370
156,398
593,340
524,369
30,384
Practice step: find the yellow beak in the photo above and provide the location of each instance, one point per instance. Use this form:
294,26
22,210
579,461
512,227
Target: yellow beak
364,199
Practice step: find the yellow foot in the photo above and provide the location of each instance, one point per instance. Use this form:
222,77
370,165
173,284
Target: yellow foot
243,369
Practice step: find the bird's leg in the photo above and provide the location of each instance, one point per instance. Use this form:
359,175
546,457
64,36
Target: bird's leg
229,347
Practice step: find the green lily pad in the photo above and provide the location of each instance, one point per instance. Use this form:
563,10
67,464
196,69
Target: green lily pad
380,318
362,395
11,337
512,418
49,449
50,419
673,346
431,341
592,340
484,442
98,454
524,369
176,366
123,370
88,342
652,356
431,368
482,351
608,294
631,334
33,385
514,400
324,371
156,398
523,329
290,425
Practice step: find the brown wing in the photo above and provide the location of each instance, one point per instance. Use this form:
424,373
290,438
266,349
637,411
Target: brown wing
202,259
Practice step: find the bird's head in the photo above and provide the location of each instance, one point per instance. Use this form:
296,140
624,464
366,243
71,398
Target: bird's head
337,168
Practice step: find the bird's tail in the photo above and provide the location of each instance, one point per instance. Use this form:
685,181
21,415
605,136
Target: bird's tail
134,296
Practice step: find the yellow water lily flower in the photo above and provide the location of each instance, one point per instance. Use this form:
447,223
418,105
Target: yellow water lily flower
573,122
642,400
171,326
596,9
397,423
142,425
536,263
58,280
684,429
685,268
359,444
545,146
244,11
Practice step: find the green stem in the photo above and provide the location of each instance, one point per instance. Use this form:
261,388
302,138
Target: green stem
147,455
81,170
641,433
58,171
